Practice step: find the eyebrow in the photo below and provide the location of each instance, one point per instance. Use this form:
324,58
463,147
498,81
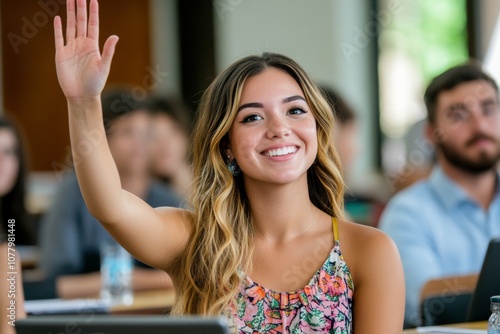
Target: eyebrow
456,107
487,101
260,105
462,106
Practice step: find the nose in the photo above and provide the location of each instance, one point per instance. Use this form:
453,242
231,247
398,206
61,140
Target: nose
277,127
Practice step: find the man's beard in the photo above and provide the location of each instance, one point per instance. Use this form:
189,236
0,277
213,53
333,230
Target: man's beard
483,163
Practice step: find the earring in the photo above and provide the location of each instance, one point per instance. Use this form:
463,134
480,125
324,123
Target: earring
233,166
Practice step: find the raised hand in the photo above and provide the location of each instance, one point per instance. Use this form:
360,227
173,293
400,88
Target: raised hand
81,69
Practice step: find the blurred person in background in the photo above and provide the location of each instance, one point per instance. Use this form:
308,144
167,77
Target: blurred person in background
71,237
13,179
346,127
443,224
420,157
361,207
14,220
171,132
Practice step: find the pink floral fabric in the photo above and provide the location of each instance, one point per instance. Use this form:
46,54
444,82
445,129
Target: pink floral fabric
322,306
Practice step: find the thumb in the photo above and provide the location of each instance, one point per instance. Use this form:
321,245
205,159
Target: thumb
109,50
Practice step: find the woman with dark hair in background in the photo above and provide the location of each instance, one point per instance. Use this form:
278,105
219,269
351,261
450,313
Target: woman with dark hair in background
14,218
362,205
13,171
346,126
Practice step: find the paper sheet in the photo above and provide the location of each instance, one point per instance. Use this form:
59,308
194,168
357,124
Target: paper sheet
445,330
61,306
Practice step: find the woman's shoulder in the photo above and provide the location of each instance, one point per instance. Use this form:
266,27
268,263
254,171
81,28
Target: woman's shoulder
363,247
359,233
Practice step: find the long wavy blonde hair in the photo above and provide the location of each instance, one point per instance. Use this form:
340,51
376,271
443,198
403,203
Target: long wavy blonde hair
208,273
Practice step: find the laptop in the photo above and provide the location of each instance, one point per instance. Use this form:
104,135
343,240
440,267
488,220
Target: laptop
114,324
488,284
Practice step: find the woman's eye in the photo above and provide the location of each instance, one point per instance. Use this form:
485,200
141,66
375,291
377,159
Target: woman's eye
251,118
297,111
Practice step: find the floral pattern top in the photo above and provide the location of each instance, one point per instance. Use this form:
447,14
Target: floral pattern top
324,305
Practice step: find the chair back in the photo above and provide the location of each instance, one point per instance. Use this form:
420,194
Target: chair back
446,300
445,309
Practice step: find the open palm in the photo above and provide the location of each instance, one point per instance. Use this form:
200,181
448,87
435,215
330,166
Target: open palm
81,69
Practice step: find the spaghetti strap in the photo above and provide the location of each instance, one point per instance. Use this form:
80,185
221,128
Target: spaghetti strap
335,225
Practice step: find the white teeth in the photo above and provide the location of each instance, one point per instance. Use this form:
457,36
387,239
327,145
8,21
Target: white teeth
281,151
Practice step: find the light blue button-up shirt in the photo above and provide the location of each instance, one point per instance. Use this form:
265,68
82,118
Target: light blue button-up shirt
439,231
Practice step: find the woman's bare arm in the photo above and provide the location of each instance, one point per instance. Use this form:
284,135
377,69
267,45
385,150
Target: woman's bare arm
155,236
379,288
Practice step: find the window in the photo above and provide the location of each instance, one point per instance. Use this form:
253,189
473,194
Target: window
421,40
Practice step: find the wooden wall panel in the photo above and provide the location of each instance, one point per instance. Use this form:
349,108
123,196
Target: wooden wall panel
32,96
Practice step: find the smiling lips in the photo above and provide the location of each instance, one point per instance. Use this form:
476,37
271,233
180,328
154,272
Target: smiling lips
281,151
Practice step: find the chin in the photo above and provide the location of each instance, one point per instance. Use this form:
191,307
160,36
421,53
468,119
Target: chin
284,179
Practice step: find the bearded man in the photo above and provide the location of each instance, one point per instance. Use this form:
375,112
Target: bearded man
442,225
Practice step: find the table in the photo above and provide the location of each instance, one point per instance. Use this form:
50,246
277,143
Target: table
470,325
148,302
145,302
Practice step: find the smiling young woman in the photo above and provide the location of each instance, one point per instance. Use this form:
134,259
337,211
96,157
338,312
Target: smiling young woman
260,242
